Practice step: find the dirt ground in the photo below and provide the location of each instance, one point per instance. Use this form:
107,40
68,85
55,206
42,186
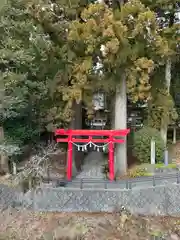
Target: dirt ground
174,152
24,225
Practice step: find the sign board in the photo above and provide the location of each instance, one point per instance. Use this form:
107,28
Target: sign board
99,101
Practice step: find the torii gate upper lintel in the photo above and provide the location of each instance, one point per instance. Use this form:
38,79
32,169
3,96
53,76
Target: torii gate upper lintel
73,138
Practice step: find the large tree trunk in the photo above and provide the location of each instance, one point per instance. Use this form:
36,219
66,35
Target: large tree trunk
121,123
76,123
4,166
79,156
164,125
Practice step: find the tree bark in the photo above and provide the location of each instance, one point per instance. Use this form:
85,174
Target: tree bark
76,123
164,125
78,155
4,166
121,123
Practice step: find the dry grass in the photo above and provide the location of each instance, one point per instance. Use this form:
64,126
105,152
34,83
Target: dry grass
8,181
24,225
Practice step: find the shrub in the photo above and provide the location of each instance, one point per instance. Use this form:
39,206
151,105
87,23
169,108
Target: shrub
142,145
138,172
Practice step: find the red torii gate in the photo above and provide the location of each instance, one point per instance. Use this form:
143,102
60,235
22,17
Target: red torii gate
72,137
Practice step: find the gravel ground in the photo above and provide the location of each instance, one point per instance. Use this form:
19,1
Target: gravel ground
92,167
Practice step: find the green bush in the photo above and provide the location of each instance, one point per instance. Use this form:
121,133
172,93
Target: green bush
142,145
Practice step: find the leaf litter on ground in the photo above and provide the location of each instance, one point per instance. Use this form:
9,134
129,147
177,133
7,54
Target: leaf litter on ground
27,225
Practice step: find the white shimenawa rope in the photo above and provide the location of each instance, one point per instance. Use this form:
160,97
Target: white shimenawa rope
83,147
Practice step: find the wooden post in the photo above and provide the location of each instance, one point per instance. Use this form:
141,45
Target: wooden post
69,163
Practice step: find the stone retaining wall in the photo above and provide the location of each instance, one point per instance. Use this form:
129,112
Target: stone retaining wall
160,200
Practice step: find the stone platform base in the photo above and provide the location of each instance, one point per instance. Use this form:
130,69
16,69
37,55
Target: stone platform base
159,200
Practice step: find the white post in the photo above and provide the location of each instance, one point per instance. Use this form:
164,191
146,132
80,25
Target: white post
14,168
153,152
166,157
174,135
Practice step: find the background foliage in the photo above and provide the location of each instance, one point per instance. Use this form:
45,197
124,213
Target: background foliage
56,52
142,145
